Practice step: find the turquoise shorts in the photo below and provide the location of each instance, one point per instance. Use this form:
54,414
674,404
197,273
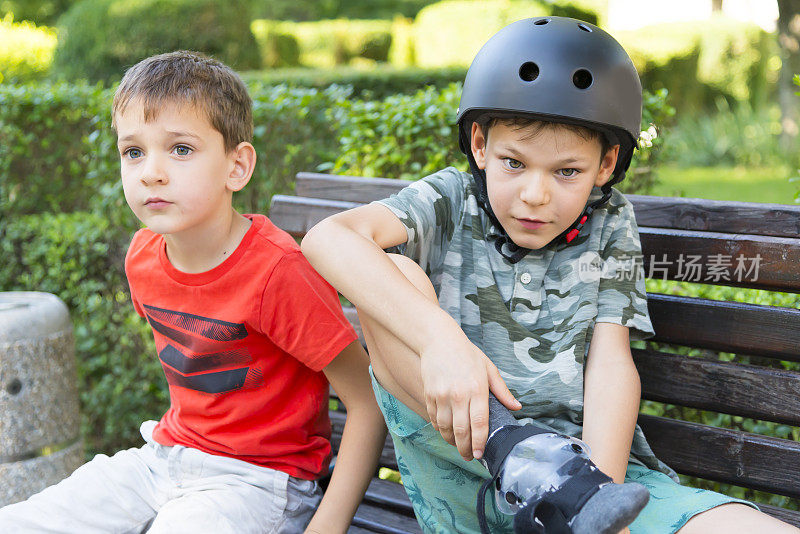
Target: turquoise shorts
443,487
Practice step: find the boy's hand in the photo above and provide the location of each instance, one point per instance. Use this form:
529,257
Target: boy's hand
456,379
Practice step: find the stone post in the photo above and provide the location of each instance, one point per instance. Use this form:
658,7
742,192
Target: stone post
39,419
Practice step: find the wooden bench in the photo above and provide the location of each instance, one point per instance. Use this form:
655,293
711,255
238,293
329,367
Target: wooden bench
761,336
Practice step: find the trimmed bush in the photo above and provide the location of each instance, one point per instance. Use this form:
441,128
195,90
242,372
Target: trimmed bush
401,54
58,152
52,137
411,136
451,32
278,47
326,43
378,82
380,9
402,136
292,134
99,39
26,52
305,10
727,57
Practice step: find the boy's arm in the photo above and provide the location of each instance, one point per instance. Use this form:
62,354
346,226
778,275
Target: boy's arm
347,250
611,399
362,441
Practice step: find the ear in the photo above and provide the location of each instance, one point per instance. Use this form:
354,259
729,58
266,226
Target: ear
477,145
607,165
243,158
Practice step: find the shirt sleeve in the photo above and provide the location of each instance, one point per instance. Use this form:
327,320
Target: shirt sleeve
622,298
301,313
431,210
128,255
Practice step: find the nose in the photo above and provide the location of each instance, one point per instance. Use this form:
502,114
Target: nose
153,172
535,190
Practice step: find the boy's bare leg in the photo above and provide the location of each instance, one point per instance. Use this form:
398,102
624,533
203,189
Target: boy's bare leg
735,518
397,369
395,365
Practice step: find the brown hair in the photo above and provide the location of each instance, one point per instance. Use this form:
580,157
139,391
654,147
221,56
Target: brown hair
189,78
538,125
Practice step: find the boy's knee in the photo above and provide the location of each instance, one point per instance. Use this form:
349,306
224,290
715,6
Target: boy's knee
415,274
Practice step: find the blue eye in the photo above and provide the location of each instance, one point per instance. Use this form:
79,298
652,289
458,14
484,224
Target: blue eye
183,150
133,153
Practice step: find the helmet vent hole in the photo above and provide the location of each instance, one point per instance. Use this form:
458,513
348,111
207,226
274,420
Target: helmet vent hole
541,22
584,27
529,71
582,79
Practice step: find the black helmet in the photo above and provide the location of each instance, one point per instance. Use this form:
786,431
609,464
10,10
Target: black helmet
561,70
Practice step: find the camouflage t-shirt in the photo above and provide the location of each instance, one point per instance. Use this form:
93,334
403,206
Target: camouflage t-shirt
533,319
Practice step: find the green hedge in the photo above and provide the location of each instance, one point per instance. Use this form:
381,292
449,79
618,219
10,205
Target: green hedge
324,43
378,82
292,134
401,136
51,147
410,136
99,39
305,10
26,51
276,43
58,152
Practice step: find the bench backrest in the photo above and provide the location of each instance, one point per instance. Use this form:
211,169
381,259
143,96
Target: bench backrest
738,244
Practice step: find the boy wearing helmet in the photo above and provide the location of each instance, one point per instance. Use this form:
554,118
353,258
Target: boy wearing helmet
493,290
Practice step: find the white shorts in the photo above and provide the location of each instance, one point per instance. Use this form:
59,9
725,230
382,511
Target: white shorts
158,489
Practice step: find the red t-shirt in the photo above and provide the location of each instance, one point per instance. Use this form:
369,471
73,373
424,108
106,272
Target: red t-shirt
243,346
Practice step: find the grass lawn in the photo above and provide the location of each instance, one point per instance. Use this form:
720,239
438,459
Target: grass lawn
748,184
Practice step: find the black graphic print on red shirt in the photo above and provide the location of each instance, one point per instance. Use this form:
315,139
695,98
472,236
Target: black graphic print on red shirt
201,353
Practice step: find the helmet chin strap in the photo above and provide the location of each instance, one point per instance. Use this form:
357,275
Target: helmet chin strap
504,245
572,232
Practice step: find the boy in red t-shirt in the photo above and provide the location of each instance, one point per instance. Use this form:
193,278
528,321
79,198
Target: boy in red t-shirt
247,332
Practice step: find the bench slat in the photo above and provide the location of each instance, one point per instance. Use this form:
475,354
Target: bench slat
726,216
375,519
350,188
296,215
723,455
659,212
778,258
768,331
389,494
777,269
732,388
